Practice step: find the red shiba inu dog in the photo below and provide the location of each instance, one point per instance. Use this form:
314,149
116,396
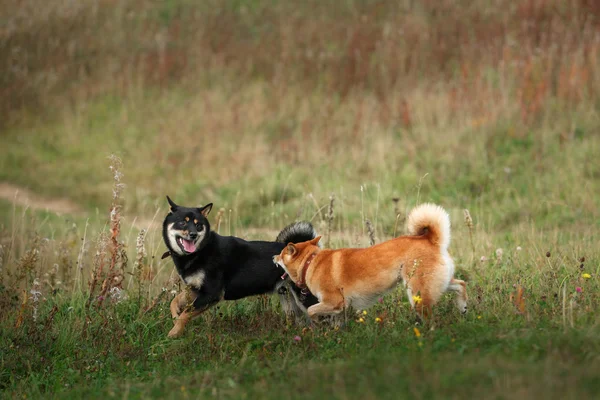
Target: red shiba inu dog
357,277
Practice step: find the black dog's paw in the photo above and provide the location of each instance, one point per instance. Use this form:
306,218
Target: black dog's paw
282,290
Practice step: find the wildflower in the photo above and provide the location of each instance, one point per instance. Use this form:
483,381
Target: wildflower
483,259
578,289
417,299
117,294
519,248
380,300
364,312
452,340
499,253
417,331
586,276
361,320
378,320
479,317
297,338
35,296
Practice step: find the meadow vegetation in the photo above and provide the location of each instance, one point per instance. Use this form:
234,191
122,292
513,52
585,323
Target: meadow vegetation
347,114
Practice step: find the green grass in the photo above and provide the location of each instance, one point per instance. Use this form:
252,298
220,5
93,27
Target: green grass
247,350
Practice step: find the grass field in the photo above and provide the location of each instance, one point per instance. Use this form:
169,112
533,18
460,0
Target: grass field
270,110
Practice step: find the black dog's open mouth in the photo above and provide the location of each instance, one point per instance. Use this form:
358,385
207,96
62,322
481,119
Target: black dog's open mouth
186,245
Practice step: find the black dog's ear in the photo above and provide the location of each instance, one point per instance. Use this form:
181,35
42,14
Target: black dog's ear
206,209
172,205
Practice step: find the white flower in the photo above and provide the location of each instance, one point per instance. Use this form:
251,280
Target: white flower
117,294
499,253
35,294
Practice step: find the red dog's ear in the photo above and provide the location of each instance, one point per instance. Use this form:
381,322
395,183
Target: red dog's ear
315,241
291,248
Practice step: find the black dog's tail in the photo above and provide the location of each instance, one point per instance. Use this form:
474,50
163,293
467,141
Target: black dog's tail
297,232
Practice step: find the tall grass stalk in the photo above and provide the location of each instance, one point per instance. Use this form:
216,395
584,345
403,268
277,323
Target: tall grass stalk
469,225
139,265
330,220
78,281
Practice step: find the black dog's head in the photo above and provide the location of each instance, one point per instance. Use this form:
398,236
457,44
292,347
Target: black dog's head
184,229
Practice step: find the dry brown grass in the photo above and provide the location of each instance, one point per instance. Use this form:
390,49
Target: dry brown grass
526,55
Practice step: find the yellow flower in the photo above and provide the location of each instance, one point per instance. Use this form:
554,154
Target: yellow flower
417,332
417,299
361,320
479,317
586,276
364,312
378,319
453,340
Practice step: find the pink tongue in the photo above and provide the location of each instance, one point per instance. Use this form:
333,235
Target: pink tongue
188,245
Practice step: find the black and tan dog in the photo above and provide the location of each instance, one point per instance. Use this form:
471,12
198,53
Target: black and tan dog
219,267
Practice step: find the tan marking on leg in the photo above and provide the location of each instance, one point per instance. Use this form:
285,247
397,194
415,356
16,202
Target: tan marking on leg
183,319
182,310
178,304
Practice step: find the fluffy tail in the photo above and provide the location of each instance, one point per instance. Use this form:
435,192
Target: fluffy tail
432,221
297,232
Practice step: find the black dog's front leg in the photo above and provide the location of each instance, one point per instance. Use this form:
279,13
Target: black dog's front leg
203,299
207,298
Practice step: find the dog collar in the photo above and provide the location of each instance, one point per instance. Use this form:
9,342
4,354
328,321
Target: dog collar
302,282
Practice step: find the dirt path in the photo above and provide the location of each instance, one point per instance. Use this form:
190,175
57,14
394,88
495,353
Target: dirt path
26,198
